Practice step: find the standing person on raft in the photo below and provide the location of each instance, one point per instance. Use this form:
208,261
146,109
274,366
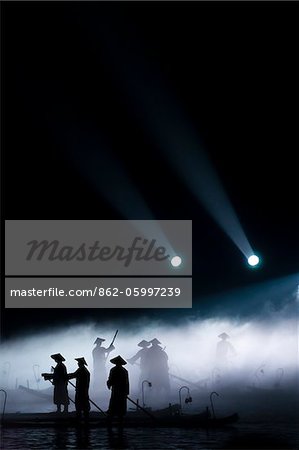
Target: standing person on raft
60,380
118,382
82,376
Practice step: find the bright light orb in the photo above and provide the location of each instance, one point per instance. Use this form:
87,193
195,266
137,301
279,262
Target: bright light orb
176,261
253,260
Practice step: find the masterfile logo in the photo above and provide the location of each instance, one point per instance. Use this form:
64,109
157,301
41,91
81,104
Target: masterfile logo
82,247
140,250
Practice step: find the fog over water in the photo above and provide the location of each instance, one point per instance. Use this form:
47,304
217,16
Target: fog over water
266,354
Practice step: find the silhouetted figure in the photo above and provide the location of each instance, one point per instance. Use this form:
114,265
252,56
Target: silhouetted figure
82,376
99,355
142,356
224,350
118,382
157,363
60,380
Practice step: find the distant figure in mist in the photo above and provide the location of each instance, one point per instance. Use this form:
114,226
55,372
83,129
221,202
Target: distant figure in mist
224,350
99,355
60,380
118,382
82,376
142,355
157,363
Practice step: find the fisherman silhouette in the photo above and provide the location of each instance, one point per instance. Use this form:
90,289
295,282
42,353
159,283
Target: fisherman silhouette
224,350
59,377
82,376
142,356
157,363
100,355
118,382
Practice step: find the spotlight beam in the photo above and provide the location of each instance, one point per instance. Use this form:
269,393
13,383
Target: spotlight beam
109,178
201,178
162,116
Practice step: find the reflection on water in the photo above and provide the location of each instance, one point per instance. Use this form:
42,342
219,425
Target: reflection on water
239,437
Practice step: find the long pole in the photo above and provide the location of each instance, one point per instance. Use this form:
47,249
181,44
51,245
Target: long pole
212,404
112,342
142,409
94,404
178,378
67,396
114,338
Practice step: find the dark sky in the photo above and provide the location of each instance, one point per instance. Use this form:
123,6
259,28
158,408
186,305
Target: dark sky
231,68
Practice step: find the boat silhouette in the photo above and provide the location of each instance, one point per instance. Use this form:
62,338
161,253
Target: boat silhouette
159,418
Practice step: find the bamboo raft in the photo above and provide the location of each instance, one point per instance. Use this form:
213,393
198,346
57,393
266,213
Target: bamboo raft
131,420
